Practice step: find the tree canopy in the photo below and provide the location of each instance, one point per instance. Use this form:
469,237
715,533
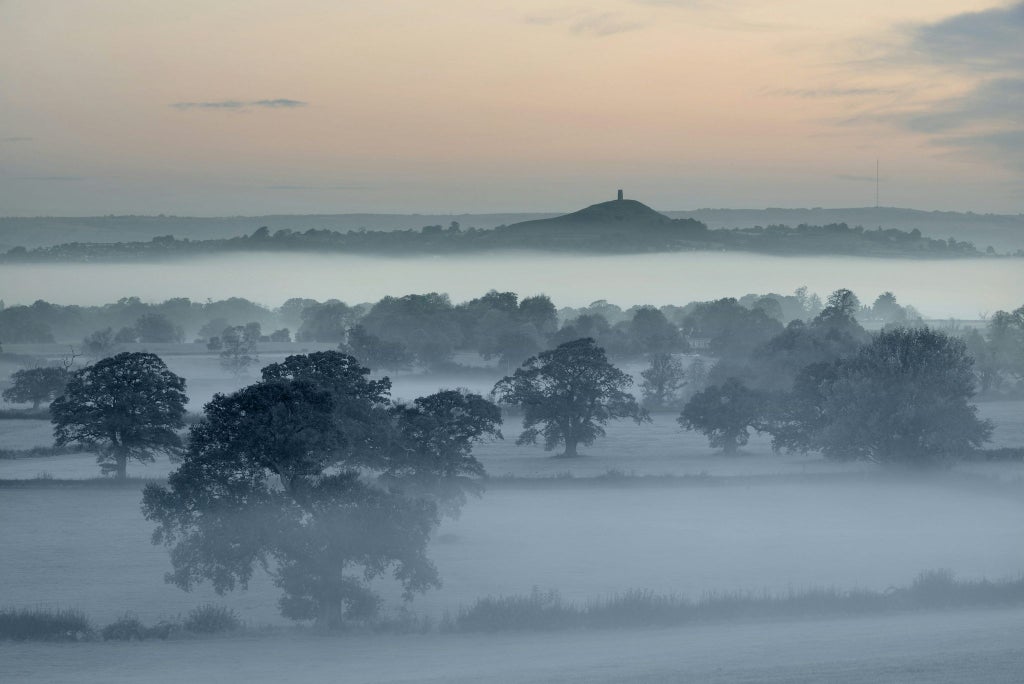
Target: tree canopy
36,385
125,407
568,394
902,399
312,474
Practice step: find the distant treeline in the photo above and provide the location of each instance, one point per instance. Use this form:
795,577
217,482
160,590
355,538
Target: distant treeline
676,235
428,329
763,340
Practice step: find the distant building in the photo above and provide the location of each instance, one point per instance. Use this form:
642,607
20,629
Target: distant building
620,194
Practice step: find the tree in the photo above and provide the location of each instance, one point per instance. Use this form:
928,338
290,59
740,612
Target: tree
280,474
903,399
238,347
663,381
36,385
652,333
100,343
568,394
325,322
436,438
724,413
126,406
156,327
360,405
375,352
256,487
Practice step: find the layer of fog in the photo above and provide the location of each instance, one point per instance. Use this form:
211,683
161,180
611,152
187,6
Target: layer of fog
915,648
745,536
963,288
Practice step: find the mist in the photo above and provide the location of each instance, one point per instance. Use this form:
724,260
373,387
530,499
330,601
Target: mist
953,288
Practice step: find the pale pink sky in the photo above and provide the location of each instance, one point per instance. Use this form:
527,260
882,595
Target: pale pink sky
309,106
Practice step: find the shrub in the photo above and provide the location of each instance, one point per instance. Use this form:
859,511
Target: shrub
128,627
538,610
211,619
44,625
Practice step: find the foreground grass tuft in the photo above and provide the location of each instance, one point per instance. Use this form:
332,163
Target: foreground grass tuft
37,624
542,610
211,619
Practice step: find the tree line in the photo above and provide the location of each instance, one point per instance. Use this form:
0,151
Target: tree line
675,235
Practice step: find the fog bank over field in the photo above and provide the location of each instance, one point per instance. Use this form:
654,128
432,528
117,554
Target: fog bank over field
963,288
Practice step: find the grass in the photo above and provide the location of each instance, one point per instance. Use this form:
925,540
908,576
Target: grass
25,414
545,610
40,451
37,624
211,619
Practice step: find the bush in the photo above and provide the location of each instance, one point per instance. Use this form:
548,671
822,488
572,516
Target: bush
211,619
126,628
538,610
129,628
44,625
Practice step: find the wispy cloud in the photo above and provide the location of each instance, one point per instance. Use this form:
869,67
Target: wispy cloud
985,50
856,178
990,40
588,23
54,179
813,93
279,103
18,139
315,187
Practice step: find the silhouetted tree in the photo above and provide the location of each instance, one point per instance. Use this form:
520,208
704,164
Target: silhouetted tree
568,394
158,328
238,347
375,352
125,407
902,399
36,385
724,413
325,322
260,484
100,343
435,444
663,380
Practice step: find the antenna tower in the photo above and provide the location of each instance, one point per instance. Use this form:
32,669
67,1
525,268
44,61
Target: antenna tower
876,182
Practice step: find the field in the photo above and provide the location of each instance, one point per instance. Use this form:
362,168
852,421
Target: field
587,528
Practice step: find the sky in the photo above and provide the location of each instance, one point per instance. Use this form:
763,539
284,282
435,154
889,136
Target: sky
246,107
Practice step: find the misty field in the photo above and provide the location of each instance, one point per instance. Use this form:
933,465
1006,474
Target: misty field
650,507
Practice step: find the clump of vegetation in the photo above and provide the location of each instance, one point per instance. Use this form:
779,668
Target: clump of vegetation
537,610
211,619
129,627
540,610
38,624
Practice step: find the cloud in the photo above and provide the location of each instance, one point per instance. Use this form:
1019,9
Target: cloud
315,187
279,103
998,101
855,177
985,52
587,23
54,179
990,40
605,24
17,139
809,93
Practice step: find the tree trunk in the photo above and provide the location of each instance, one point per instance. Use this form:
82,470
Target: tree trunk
330,615
730,445
35,404
570,448
122,466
